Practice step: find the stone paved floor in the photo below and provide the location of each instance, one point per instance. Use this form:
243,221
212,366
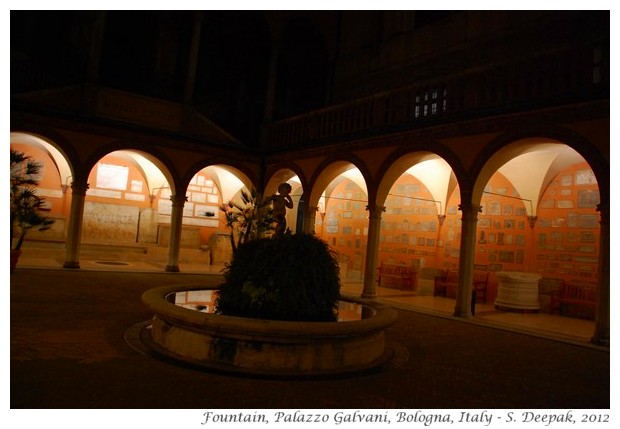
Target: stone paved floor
68,350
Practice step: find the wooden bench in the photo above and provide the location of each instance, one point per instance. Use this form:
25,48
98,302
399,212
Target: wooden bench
403,274
579,295
446,284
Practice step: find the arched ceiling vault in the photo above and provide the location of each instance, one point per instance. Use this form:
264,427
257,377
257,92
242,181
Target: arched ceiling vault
531,172
64,169
437,176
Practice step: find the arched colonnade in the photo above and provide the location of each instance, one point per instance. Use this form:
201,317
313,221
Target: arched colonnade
531,162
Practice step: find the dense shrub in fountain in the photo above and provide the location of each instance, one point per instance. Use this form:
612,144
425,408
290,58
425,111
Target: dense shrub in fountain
292,277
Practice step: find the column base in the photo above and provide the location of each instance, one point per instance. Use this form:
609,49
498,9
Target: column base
467,314
71,264
172,268
601,335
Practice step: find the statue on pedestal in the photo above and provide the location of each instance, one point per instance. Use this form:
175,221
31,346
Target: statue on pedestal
281,201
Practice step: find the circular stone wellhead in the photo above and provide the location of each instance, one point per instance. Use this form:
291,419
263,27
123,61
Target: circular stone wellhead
268,347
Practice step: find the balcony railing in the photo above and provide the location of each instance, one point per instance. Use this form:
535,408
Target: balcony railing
566,77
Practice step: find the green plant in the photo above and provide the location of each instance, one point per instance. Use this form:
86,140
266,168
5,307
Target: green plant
288,277
25,203
246,220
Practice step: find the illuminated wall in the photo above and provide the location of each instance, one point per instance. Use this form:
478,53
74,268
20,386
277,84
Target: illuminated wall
410,225
56,200
567,228
345,227
119,207
116,196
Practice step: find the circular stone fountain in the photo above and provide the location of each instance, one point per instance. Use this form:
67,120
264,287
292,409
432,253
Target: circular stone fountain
517,291
267,347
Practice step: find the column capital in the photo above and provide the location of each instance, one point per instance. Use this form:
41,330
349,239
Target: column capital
375,210
178,200
79,188
470,211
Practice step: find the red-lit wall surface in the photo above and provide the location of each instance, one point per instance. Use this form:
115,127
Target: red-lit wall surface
562,242
409,226
121,205
567,228
49,181
345,227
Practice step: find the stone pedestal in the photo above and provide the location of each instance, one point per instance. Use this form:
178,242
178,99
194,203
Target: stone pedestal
221,249
517,291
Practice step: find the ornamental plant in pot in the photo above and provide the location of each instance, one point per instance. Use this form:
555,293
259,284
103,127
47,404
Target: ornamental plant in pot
25,203
293,277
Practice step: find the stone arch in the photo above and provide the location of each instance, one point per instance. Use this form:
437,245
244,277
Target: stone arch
403,158
202,191
50,139
123,202
223,170
444,176
414,190
55,180
531,162
60,159
331,168
283,172
158,159
339,193
513,143
550,153
289,173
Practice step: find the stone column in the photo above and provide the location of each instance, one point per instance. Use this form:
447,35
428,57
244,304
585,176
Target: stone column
602,317
176,224
74,227
466,259
372,250
310,219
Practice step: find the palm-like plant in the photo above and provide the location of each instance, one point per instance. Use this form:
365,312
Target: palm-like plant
25,203
248,219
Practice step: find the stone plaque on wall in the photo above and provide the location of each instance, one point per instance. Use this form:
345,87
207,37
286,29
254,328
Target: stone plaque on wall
148,226
110,222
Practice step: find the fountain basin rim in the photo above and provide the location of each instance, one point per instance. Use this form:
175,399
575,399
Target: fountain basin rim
155,300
